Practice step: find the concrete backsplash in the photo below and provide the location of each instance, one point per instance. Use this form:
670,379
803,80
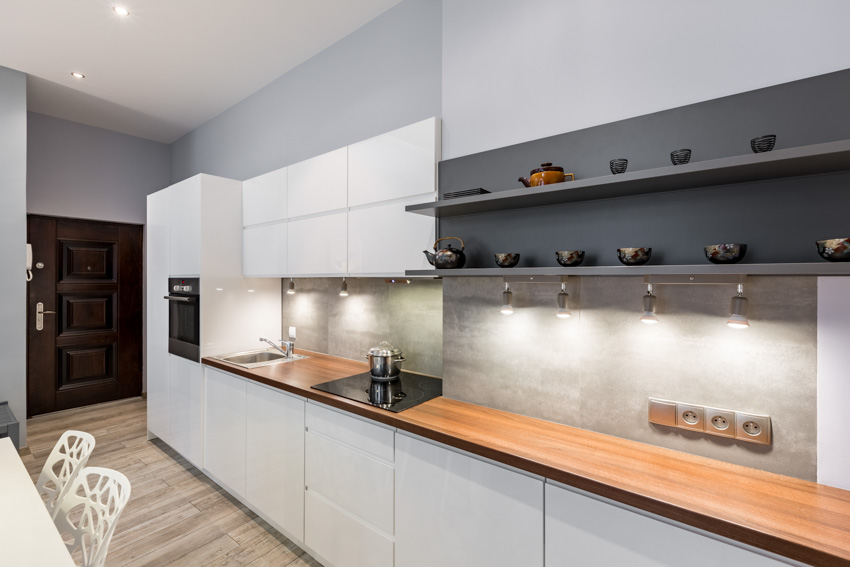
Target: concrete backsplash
597,370
408,316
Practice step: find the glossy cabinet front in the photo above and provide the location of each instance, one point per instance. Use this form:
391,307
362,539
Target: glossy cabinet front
587,530
225,429
318,246
156,347
318,184
274,463
186,409
184,227
264,250
264,198
454,509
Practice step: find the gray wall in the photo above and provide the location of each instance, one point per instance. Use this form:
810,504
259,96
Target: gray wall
408,316
382,76
597,370
80,171
13,237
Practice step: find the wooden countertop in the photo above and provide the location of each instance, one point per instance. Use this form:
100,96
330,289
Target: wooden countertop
801,520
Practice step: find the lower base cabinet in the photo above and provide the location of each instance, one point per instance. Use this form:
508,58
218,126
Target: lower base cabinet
454,510
582,530
224,429
274,462
186,409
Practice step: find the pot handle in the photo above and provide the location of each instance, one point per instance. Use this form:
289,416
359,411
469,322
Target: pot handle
572,177
449,238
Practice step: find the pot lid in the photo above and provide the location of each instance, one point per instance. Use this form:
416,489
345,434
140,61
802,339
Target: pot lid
384,349
547,167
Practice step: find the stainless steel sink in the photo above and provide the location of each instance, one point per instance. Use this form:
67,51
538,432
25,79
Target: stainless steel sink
256,358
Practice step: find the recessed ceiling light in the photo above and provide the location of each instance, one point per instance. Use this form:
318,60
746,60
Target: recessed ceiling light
78,75
120,11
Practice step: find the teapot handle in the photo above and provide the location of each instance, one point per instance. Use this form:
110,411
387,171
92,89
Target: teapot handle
449,238
572,177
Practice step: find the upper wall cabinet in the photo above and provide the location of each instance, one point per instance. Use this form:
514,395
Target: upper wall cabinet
318,246
319,184
398,164
264,198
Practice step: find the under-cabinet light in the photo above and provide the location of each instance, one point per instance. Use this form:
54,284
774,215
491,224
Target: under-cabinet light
649,316
291,290
343,290
738,310
507,301
563,303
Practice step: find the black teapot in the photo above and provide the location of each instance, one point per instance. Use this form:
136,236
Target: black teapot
447,257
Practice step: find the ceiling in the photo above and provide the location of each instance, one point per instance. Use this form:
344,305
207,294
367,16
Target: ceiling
170,65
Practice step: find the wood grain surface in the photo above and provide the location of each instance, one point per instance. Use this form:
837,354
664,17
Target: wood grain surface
799,519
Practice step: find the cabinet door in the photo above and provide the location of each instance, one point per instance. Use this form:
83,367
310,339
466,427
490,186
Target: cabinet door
401,237
264,198
581,530
186,409
452,509
318,184
398,164
156,330
264,250
318,246
184,228
224,430
274,482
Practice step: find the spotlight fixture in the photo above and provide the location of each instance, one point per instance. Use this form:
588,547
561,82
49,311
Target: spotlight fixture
343,290
563,303
78,75
648,316
738,310
507,301
291,290
120,11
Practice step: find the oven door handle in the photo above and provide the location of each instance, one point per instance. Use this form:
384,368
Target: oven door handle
180,298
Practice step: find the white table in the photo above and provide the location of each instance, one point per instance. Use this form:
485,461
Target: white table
28,537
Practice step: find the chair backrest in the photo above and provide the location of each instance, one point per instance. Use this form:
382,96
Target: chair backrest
69,455
89,511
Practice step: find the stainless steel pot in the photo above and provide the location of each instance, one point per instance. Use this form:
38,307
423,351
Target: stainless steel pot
385,361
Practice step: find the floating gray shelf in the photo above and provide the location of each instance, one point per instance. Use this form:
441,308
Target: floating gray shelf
808,269
816,159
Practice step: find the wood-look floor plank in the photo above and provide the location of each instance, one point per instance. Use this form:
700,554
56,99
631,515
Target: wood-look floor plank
176,515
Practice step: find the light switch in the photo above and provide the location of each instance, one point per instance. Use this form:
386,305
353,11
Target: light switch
662,412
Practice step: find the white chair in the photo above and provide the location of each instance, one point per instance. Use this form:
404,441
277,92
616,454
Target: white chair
89,511
68,457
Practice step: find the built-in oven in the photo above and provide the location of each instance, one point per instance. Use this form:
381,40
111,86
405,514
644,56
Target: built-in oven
184,317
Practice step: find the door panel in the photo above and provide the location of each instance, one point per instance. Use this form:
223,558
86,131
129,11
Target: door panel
89,347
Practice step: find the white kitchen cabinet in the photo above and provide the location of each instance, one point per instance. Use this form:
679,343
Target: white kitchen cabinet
395,165
186,409
264,250
264,198
274,463
349,479
225,429
156,353
318,246
384,240
582,529
318,184
184,227
453,509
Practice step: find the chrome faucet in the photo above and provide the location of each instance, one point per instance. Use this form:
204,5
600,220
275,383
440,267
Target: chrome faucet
288,346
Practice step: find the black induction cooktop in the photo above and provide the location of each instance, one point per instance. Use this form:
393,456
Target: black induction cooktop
395,395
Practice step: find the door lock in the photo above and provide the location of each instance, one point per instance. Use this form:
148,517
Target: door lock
39,316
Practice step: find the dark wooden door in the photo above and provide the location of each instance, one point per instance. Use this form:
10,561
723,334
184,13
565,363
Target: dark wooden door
87,348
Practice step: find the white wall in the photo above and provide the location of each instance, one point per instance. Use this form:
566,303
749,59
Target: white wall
833,382
518,71
13,236
80,171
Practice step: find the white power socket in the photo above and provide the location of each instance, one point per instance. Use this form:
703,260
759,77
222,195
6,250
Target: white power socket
720,422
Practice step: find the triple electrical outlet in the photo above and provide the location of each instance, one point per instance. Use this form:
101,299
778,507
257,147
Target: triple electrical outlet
724,423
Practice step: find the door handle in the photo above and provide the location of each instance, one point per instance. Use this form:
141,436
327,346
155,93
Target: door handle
39,316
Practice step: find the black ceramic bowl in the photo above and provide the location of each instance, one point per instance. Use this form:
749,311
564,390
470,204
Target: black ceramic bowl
763,143
618,165
569,258
634,256
508,260
834,249
725,253
680,157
